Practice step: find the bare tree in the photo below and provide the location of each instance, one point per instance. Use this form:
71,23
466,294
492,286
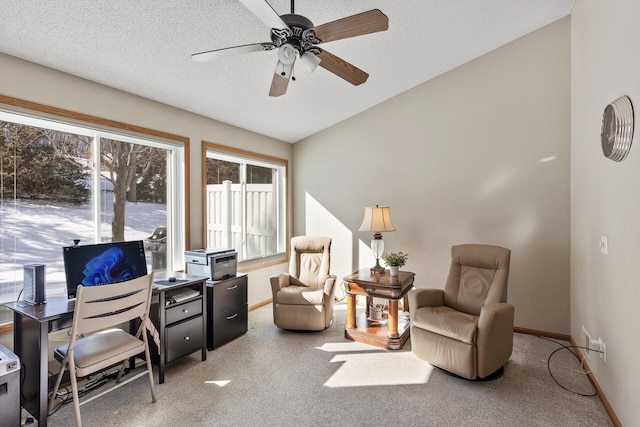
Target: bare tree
125,162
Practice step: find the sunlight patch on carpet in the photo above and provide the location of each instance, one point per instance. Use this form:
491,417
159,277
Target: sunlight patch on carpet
334,347
386,368
218,383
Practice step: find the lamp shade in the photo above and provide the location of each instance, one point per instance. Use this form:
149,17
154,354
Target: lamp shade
377,219
310,60
287,54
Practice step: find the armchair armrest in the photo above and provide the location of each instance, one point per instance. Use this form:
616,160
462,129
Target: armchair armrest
279,281
329,285
423,297
495,337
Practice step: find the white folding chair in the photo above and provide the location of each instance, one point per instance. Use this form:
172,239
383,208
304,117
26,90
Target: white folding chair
96,341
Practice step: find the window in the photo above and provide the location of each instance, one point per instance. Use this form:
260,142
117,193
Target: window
62,182
245,202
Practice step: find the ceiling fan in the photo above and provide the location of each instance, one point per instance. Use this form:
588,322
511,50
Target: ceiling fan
296,37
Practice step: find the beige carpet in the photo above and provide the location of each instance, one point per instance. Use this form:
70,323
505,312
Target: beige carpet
271,377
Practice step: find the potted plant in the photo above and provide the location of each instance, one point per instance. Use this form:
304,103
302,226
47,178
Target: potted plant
395,260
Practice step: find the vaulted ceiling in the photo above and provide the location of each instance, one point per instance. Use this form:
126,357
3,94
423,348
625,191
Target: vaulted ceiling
144,47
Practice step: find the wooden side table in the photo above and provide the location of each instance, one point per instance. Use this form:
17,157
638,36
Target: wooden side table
393,331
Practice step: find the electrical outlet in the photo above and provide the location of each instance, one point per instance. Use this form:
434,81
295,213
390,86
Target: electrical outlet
603,349
604,244
586,339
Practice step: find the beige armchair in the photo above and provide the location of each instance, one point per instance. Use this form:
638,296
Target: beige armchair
467,328
303,298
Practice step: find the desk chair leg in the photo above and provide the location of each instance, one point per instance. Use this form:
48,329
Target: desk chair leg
57,386
121,371
69,364
147,356
74,391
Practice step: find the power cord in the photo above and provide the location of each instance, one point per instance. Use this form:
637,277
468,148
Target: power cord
344,292
582,361
64,394
24,420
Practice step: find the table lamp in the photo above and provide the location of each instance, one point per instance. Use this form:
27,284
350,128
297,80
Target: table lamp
377,219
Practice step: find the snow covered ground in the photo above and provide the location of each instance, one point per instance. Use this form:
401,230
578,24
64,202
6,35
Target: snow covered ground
33,232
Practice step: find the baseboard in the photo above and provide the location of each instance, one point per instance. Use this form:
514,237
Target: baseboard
607,406
6,328
260,304
539,333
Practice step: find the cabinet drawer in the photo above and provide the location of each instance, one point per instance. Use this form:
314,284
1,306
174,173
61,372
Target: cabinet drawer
183,338
180,312
230,293
228,324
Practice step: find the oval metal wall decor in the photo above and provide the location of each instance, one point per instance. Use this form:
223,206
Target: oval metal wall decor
616,131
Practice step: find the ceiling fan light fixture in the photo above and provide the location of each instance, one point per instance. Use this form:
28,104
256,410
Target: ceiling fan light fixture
310,60
287,54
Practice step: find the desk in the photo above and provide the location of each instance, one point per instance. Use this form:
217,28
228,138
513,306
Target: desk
33,323
31,326
392,332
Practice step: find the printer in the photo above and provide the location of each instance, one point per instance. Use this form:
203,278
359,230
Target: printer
215,263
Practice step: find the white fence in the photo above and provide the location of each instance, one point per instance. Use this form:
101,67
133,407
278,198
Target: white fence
227,207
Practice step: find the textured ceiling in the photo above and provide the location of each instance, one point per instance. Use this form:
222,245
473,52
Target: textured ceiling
144,47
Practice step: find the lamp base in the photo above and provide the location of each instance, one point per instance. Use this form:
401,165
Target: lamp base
377,269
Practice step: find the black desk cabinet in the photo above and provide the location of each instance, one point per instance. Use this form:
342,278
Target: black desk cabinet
180,320
227,310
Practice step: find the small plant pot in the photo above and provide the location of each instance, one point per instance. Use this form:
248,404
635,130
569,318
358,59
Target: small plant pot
393,270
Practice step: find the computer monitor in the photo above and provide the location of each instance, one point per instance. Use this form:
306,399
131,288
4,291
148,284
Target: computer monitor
101,264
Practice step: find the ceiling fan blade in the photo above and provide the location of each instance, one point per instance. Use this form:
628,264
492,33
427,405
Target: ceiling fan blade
351,26
342,68
231,51
279,85
284,69
265,13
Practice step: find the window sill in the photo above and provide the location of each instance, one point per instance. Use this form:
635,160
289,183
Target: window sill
258,263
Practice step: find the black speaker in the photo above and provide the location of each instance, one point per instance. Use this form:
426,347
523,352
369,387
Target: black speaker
34,284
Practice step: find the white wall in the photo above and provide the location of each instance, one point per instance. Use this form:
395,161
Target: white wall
30,82
478,155
605,197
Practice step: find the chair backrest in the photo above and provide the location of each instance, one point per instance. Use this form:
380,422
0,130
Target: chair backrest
107,306
310,259
478,276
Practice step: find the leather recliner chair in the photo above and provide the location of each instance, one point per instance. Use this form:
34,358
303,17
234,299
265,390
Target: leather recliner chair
303,298
467,328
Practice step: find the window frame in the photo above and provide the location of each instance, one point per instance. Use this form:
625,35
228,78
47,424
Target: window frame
282,255
179,196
